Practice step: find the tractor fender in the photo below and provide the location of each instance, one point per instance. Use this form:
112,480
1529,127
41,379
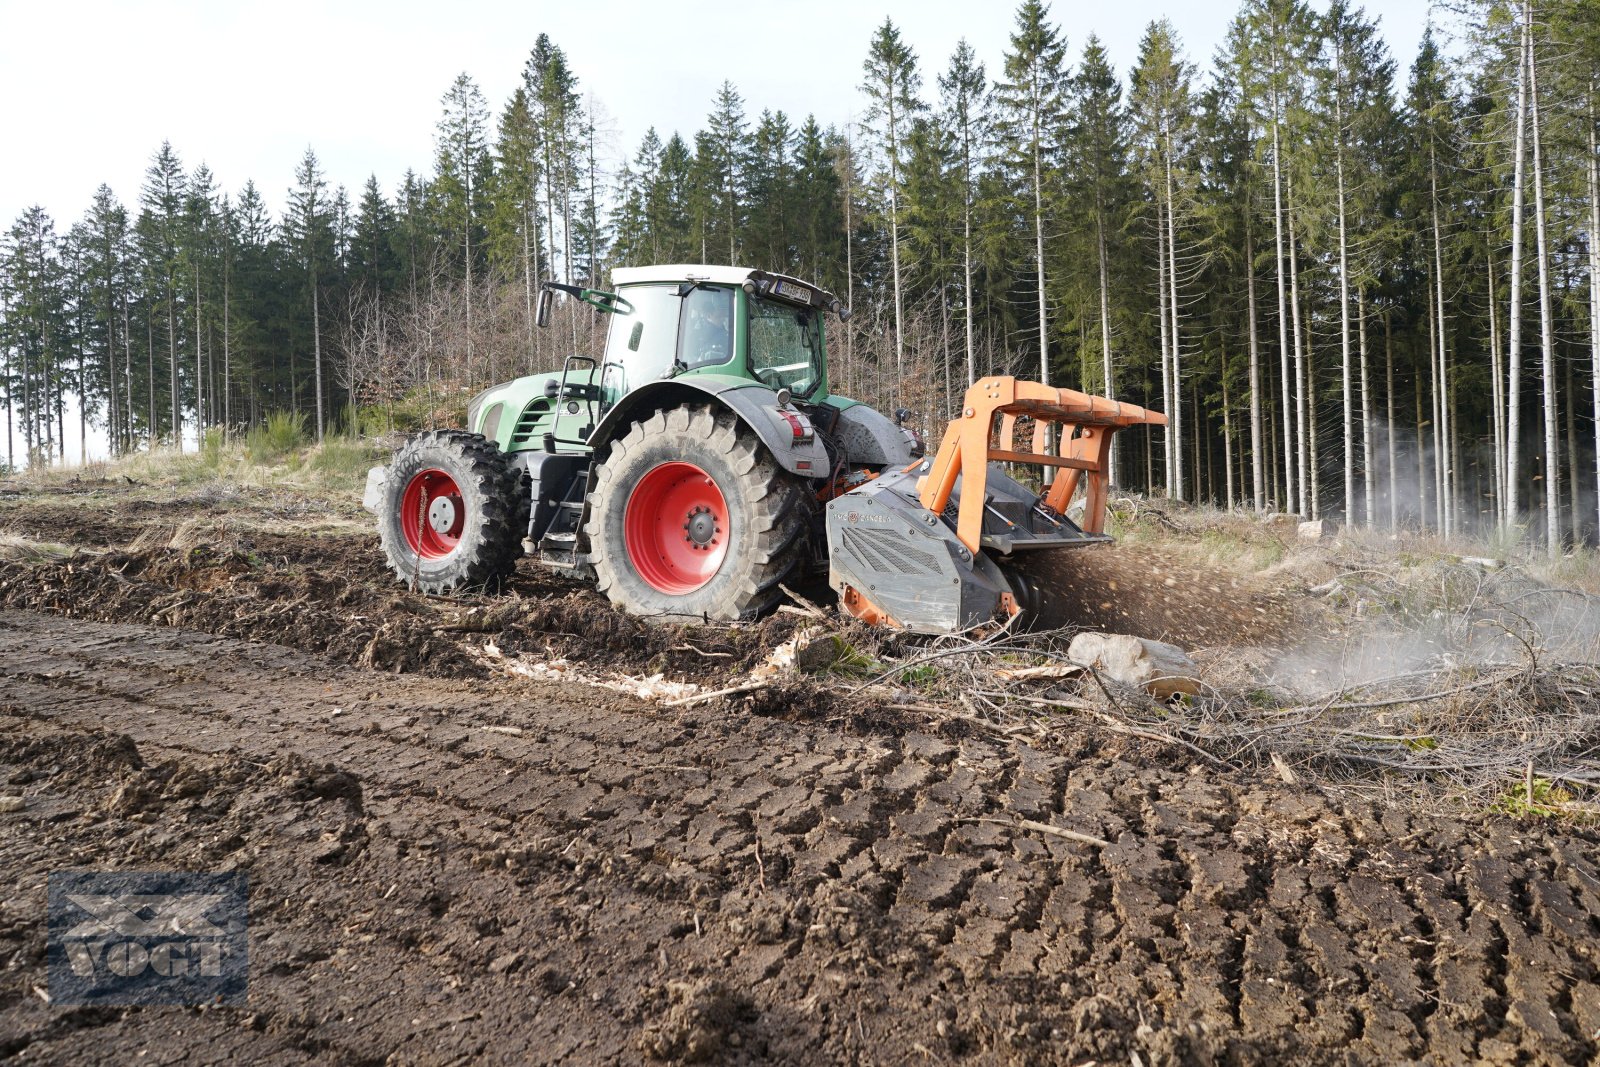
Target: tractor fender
869,437
756,406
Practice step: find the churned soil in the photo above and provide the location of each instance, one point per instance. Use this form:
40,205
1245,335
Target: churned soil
331,593
450,865
445,869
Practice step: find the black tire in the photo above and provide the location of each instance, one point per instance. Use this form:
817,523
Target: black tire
768,520
490,509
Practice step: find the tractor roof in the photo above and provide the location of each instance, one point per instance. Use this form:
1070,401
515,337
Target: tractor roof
784,287
678,272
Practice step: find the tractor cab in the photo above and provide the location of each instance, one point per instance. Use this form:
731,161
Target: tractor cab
731,322
713,328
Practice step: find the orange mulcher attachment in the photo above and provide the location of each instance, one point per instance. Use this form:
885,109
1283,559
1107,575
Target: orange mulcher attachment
1071,430
926,548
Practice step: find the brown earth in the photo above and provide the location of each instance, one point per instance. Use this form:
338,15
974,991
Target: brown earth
1145,591
534,873
331,594
448,866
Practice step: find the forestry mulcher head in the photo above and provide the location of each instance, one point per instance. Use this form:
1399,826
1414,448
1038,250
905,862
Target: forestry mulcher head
928,547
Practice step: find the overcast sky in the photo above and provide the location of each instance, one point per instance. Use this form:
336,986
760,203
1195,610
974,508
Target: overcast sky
90,89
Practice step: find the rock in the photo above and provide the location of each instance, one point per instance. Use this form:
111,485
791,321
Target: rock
10,804
1316,530
502,964
1161,669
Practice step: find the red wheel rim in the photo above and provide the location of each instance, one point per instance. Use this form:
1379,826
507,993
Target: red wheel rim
675,527
432,514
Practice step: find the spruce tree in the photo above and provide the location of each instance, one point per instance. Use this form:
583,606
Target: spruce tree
1033,101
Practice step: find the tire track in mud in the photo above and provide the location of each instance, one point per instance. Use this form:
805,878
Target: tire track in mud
447,870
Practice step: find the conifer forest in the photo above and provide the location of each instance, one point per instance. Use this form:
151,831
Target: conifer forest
1360,295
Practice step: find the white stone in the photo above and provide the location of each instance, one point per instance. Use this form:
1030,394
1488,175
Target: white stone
1159,668
1316,529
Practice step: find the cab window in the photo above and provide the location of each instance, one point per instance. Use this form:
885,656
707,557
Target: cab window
785,346
707,327
640,345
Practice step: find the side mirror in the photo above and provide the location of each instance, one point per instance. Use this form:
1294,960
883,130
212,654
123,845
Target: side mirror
541,317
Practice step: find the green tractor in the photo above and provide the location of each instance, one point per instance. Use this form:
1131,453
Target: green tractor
680,468
701,463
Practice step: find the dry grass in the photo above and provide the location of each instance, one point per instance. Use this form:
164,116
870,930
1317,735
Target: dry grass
17,549
335,468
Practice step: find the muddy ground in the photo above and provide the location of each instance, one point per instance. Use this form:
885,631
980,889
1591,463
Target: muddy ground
449,865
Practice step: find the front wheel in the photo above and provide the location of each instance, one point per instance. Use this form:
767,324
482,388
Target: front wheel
453,513
692,518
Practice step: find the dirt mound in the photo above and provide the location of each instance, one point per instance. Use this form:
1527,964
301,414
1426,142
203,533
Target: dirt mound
332,595
694,1021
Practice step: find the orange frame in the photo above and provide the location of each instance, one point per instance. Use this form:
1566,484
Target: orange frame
967,448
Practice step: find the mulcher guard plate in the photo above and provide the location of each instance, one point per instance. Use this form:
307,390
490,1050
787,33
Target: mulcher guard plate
925,548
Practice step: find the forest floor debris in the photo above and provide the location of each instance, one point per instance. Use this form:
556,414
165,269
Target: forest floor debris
811,841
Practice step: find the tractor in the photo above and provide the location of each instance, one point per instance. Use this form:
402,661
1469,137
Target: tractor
701,464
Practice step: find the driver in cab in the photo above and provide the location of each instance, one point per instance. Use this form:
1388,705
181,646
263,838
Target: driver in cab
709,339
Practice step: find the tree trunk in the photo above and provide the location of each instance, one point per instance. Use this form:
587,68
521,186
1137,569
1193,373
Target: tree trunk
1594,290
227,358
1367,457
527,285
1447,506
944,331
966,253
150,393
850,279
1108,380
172,355
316,347
1547,343
1434,400
1514,329
1422,473
1285,415
1166,357
1497,392
1304,459
1257,479
199,370
894,249
127,373
1227,435
1038,255
1344,315
1574,512
1176,413
1388,430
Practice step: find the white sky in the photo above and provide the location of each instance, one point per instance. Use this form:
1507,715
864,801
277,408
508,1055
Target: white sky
91,88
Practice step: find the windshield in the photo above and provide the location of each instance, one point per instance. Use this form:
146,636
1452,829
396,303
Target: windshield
785,346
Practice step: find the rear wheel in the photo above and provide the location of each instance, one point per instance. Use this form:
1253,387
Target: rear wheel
692,518
451,513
